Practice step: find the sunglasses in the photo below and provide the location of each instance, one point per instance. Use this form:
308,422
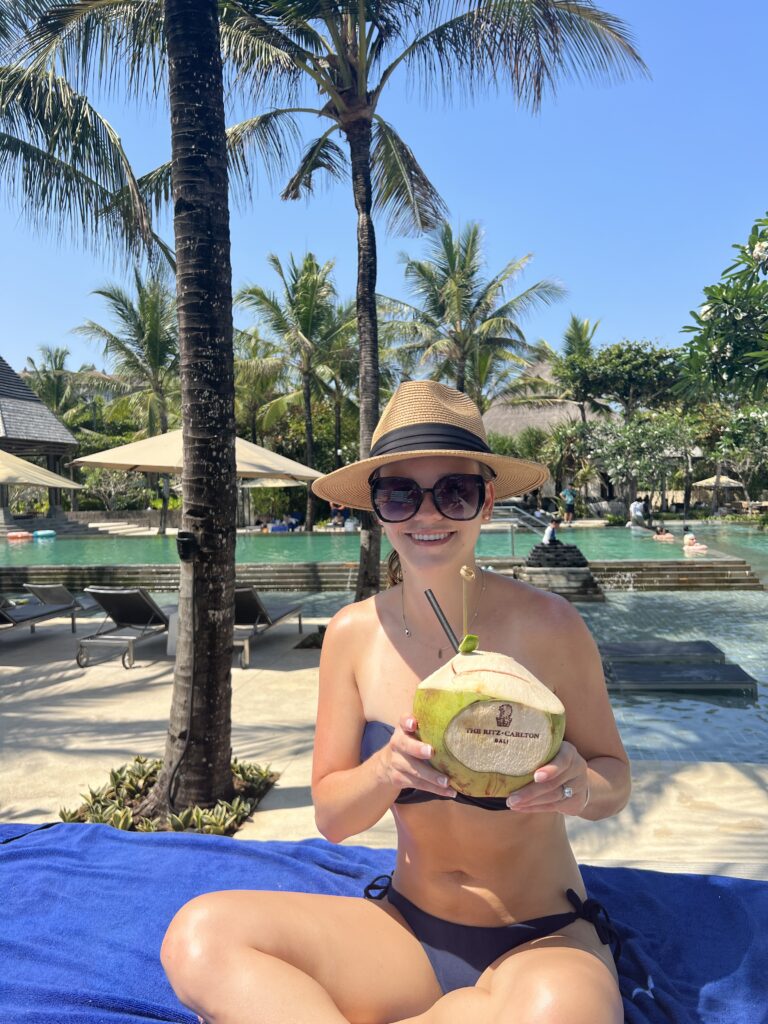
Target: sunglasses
458,496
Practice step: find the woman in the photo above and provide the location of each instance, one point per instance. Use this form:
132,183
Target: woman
663,534
484,918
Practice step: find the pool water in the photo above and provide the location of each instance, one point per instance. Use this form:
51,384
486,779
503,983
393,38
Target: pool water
598,543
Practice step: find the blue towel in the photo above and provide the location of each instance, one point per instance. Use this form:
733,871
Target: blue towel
83,910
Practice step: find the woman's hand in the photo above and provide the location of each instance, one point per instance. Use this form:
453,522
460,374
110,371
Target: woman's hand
566,772
404,762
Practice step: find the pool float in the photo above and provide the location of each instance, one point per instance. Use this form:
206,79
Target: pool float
44,533
19,535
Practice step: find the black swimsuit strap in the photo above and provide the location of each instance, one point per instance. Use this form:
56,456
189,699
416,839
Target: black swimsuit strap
594,912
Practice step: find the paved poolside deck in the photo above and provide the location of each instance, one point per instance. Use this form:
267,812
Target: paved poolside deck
63,728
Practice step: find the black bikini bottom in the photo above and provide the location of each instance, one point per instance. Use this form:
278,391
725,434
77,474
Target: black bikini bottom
459,953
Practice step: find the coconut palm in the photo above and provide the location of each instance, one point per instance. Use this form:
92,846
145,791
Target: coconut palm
346,53
462,315
143,348
261,375
305,322
57,386
197,761
569,378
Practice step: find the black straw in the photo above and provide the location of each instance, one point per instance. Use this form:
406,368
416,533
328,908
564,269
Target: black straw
442,619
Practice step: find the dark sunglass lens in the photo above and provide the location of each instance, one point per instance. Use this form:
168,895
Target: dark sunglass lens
459,496
395,498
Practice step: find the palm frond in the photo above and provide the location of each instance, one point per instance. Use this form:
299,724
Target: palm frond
117,42
526,46
401,189
65,163
321,155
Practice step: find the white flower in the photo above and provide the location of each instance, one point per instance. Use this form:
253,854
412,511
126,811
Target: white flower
705,311
760,251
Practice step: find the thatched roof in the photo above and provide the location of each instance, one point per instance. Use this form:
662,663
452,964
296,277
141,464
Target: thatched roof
27,426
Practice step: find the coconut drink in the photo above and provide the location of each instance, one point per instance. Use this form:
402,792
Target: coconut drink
490,721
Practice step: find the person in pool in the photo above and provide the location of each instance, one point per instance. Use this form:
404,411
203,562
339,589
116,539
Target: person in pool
690,545
663,534
485,917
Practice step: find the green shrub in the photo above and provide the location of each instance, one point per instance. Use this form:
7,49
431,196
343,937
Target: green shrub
611,520
116,802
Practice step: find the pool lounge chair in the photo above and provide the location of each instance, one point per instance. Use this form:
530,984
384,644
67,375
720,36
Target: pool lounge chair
58,594
253,617
135,618
29,614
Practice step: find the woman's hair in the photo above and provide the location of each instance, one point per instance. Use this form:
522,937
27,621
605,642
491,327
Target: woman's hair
394,569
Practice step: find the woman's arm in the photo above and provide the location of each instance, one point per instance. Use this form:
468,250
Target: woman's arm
592,760
350,797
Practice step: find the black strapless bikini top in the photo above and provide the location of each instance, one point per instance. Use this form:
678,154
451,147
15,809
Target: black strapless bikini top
376,735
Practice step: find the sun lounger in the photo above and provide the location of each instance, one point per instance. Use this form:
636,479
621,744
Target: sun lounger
135,618
58,594
29,614
253,617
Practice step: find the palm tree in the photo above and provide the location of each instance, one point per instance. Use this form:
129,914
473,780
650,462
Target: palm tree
569,378
346,52
261,375
304,321
197,762
463,315
58,387
144,350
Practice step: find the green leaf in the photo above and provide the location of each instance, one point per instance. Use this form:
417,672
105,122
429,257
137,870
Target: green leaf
469,644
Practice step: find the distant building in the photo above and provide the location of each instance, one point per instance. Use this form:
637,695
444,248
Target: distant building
28,428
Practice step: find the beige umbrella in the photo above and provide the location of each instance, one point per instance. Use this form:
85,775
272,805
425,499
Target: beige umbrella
725,482
163,454
18,471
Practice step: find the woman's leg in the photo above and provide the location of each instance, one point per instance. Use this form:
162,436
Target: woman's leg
289,958
568,978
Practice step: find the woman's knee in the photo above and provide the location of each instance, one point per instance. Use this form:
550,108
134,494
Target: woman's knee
192,943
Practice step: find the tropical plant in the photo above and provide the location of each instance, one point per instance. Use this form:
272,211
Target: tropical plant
727,356
305,322
636,375
346,53
462,319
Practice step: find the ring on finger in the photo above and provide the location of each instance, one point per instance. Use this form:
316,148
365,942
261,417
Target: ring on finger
567,792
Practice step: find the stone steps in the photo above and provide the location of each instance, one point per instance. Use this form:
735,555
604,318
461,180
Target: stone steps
730,574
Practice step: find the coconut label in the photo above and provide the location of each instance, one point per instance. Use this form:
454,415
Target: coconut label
499,736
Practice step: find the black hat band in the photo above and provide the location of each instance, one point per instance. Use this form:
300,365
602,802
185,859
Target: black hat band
426,436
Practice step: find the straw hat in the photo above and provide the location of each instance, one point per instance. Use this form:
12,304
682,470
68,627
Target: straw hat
424,418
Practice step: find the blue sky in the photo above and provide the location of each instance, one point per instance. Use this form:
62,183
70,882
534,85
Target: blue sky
629,194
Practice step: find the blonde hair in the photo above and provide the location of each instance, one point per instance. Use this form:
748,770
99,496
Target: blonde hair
394,569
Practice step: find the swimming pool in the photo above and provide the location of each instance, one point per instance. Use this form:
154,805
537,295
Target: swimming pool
597,543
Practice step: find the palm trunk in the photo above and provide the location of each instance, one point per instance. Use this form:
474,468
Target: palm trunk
461,375
197,764
336,431
309,520
716,489
359,135
165,478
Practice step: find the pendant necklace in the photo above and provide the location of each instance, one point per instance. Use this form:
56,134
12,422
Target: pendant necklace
406,629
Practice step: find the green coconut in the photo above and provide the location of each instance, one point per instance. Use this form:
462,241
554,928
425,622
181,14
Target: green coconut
491,723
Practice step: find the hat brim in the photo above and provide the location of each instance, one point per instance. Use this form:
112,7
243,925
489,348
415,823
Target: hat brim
349,485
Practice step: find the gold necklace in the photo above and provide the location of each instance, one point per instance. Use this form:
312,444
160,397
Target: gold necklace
409,633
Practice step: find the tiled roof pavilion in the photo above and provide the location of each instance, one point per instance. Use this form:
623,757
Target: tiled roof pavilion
27,426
